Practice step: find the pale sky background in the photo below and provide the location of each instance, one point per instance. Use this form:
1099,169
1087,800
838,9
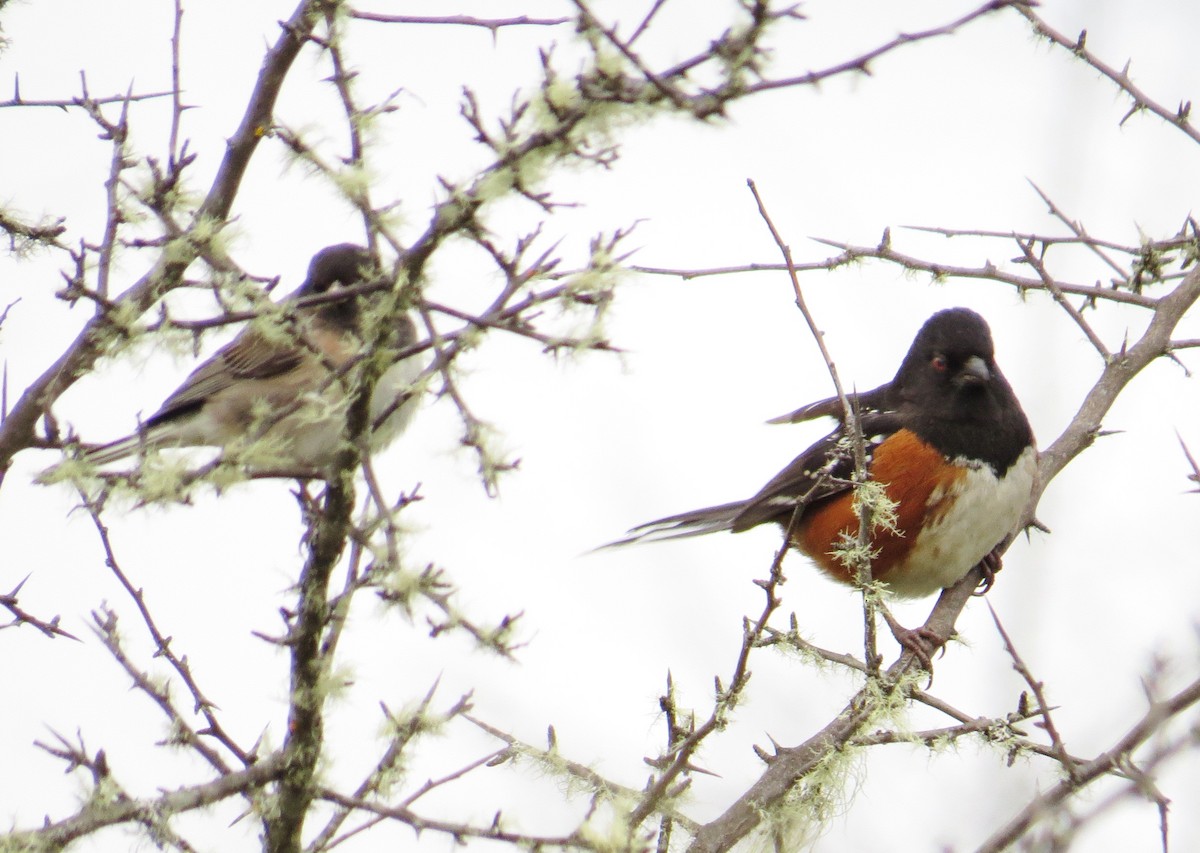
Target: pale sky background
945,133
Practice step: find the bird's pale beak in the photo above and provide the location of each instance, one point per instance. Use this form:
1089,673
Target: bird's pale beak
974,372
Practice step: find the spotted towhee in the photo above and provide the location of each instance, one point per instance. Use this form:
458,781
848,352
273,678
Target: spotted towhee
279,379
947,440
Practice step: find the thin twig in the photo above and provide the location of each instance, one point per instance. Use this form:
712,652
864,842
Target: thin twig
1115,757
862,565
460,20
21,616
162,647
1043,707
1141,101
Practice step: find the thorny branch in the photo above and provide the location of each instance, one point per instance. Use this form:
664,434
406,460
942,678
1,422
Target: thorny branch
405,731
1118,757
683,743
1179,118
119,808
492,24
1058,748
21,616
84,101
105,626
885,250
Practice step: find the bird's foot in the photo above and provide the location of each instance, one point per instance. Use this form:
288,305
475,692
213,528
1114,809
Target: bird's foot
922,642
990,564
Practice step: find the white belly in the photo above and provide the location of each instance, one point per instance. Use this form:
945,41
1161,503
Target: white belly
981,511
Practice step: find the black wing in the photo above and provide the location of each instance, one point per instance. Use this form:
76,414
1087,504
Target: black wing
876,400
821,471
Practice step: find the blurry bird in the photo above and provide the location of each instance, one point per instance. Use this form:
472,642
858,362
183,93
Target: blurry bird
280,383
947,440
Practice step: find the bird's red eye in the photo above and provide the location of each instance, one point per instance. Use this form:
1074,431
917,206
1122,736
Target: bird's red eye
939,363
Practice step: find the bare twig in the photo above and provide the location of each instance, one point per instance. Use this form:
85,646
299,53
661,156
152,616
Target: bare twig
1052,287
404,733
1096,247
1043,707
105,625
18,100
21,616
454,830
678,759
1119,372
492,24
114,811
1118,756
884,251
861,63
1178,118
862,562
1195,475
176,87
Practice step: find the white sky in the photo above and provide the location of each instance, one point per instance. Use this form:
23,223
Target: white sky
945,133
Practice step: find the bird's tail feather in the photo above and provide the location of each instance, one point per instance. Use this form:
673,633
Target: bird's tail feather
114,450
152,436
697,522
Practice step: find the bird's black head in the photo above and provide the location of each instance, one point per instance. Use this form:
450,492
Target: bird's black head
345,264
340,266
951,358
953,395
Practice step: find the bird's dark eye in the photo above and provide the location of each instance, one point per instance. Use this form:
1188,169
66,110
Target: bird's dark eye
939,363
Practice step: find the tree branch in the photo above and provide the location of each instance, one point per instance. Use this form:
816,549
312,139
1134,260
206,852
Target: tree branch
99,814
1118,756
